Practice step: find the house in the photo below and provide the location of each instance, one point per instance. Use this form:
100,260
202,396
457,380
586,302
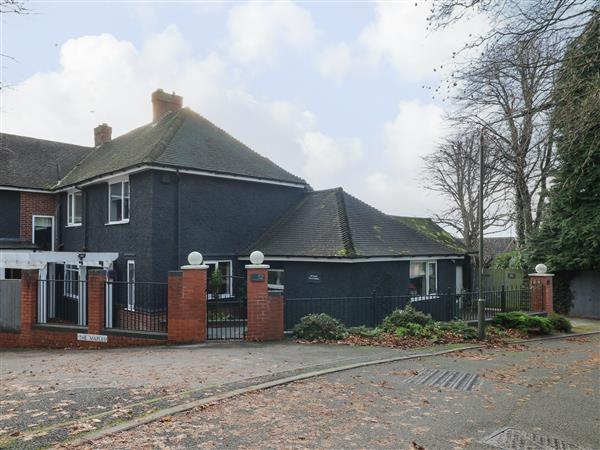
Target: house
139,203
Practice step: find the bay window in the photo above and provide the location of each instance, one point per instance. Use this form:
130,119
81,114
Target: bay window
225,288
74,208
118,202
423,277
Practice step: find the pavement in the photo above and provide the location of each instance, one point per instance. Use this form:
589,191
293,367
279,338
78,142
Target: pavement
52,395
538,395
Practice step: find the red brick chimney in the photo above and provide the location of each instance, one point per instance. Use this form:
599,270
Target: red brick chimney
102,134
162,103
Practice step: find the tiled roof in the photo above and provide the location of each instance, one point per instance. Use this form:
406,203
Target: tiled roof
181,139
35,163
334,224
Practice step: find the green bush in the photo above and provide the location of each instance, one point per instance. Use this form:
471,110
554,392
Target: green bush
364,331
402,317
319,326
560,323
410,329
519,320
461,329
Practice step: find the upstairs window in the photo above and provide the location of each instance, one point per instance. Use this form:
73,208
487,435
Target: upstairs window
423,277
74,208
118,202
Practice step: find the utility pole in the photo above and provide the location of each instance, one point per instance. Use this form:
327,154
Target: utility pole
481,301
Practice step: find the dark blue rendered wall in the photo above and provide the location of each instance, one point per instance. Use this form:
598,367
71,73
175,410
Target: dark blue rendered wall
356,279
10,204
217,217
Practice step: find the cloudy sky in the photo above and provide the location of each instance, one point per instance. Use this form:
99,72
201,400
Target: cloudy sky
330,91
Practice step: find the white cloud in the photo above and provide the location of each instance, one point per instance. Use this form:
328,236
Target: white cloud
103,79
258,31
396,186
327,158
334,62
398,36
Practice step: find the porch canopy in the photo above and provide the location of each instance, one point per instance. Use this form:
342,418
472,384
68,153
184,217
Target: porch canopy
45,262
11,259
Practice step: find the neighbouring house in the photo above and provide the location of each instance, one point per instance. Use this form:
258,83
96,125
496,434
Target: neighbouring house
136,205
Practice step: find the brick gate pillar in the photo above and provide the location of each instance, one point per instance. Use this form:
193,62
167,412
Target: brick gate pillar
29,295
187,302
542,294
96,280
265,312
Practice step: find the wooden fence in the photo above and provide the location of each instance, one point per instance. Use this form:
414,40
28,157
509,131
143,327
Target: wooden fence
10,304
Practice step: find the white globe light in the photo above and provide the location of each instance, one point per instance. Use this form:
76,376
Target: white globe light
257,257
195,258
541,268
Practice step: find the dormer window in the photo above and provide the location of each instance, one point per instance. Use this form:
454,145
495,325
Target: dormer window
74,208
118,202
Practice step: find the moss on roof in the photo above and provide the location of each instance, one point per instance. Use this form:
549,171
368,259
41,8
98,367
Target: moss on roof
431,230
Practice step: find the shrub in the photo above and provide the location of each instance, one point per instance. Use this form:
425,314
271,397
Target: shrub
364,331
411,329
402,317
519,320
462,329
319,326
560,323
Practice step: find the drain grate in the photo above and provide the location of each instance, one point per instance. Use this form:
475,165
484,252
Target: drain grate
513,439
446,378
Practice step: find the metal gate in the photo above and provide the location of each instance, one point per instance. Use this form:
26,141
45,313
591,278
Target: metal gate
226,315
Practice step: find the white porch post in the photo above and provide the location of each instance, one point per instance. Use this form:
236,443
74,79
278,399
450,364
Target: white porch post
108,294
51,291
82,304
42,291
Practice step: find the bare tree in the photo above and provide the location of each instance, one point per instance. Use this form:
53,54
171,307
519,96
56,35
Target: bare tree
519,21
453,171
10,7
507,91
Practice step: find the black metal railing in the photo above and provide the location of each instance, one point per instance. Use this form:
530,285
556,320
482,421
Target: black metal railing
443,307
62,302
137,306
226,318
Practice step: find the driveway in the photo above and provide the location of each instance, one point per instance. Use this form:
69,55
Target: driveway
536,396
50,395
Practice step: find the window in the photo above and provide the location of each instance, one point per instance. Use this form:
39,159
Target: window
423,277
131,285
226,285
71,283
43,232
74,208
118,202
275,281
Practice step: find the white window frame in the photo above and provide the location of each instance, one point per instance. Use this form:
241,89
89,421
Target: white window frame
229,279
36,216
130,286
68,281
428,263
276,287
71,208
122,182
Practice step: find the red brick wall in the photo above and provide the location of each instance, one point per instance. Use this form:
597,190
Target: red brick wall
265,311
33,203
187,306
35,337
542,295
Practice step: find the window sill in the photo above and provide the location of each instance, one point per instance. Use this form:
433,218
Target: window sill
120,222
275,287
420,298
72,225
212,297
